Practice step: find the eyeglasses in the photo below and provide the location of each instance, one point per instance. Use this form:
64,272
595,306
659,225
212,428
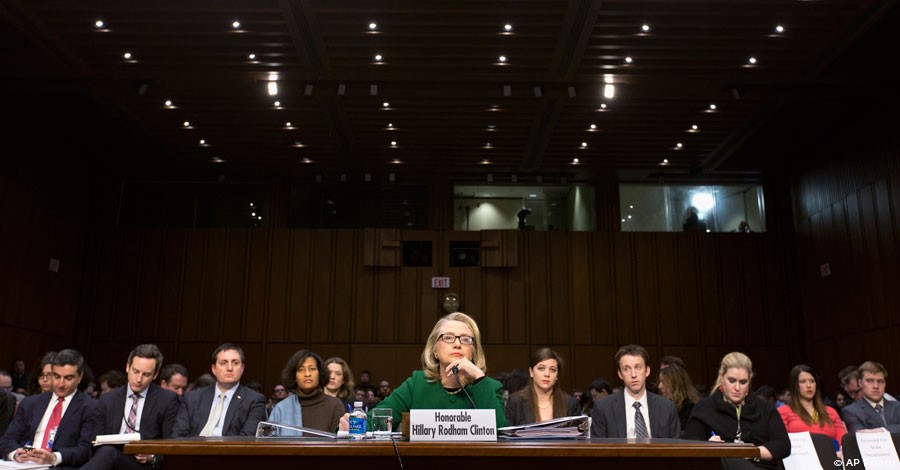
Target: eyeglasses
449,338
45,377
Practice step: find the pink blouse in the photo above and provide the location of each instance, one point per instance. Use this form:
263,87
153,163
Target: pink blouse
794,423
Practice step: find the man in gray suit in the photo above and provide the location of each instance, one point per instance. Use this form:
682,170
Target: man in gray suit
634,412
872,412
226,408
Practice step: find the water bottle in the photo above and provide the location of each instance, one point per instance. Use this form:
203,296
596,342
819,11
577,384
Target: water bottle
357,422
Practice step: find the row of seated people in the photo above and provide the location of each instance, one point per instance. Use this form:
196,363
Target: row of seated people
57,427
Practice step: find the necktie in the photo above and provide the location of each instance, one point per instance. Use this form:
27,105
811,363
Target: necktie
131,422
640,427
214,417
52,424
880,410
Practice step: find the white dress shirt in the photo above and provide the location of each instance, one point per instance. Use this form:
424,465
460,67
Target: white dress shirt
629,413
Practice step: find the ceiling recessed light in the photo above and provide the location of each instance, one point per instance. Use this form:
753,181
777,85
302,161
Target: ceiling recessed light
251,56
593,126
167,103
272,88
751,60
609,91
485,162
306,160
202,141
679,145
393,143
99,24
288,124
494,107
235,24
584,145
665,161
628,59
488,145
385,105
216,160
396,161
501,59
187,123
712,107
298,144
779,29
378,57
373,26
575,161
602,105
532,195
507,27
694,127
645,28
127,56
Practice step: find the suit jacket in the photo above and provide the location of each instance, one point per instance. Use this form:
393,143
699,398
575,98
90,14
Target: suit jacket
608,417
73,436
157,418
520,408
861,415
245,410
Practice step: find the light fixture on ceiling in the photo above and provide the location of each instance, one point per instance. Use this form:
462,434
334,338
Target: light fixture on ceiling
203,143
584,145
679,146
645,28
592,127
298,145
272,88
507,27
501,60
393,144
576,161
306,160
665,162
396,161
609,91
187,125
235,24
488,146
168,104
378,57
216,160
779,29
385,105
288,125
99,24
373,26
628,60
277,104
751,60
251,56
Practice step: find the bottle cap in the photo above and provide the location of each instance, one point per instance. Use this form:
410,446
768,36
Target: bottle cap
357,404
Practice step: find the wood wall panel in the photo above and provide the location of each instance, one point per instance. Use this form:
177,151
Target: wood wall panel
275,291
846,214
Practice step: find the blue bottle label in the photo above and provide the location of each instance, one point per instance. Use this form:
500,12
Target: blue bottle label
357,425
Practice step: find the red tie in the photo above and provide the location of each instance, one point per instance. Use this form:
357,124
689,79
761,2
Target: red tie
53,423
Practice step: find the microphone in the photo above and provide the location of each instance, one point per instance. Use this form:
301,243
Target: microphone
455,370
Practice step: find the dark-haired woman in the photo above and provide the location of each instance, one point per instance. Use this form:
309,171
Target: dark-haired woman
542,399
675,384
806,411
307,406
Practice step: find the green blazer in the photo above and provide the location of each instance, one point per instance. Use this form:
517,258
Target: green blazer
420,394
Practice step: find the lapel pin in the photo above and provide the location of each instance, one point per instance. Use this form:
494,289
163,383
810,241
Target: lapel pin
238,397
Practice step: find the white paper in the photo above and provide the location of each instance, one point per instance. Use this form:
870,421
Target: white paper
8,464
877,450
105,439
803,453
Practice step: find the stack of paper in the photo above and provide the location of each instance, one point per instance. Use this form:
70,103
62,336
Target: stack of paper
569,427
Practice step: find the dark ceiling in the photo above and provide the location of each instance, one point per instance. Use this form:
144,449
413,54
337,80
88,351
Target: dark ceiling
454,107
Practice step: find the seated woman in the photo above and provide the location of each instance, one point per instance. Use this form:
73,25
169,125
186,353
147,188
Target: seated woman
453,345
307,406
675,384
806,411
340,381
39,380
732,414
542,399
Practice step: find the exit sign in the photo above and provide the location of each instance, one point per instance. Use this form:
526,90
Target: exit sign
440,283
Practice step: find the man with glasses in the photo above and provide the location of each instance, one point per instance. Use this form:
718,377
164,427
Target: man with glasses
872,412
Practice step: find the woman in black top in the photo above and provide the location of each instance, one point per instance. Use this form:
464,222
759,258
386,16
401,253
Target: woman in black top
675,384
732,414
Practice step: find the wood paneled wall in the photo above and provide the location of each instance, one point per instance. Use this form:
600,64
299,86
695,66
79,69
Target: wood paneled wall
45,194
847,214
584,294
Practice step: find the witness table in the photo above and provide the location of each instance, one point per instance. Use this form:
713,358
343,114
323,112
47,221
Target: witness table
248,453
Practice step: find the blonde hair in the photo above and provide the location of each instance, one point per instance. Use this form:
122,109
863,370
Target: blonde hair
733,360
430,365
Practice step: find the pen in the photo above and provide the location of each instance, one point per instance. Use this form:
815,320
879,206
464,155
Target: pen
712,434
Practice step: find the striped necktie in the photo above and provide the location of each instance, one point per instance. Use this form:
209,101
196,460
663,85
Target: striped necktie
640,427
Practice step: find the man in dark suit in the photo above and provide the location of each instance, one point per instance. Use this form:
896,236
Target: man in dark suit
56,426
141,406
174,377
872,412
226,408
634,412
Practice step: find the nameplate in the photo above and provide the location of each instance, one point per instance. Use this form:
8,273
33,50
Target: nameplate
877,450
452,425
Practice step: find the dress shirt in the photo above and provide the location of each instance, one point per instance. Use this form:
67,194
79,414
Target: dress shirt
629,413
140,409
229,394
39,433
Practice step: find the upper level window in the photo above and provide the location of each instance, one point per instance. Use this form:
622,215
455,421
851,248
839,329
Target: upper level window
691,208
541,208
